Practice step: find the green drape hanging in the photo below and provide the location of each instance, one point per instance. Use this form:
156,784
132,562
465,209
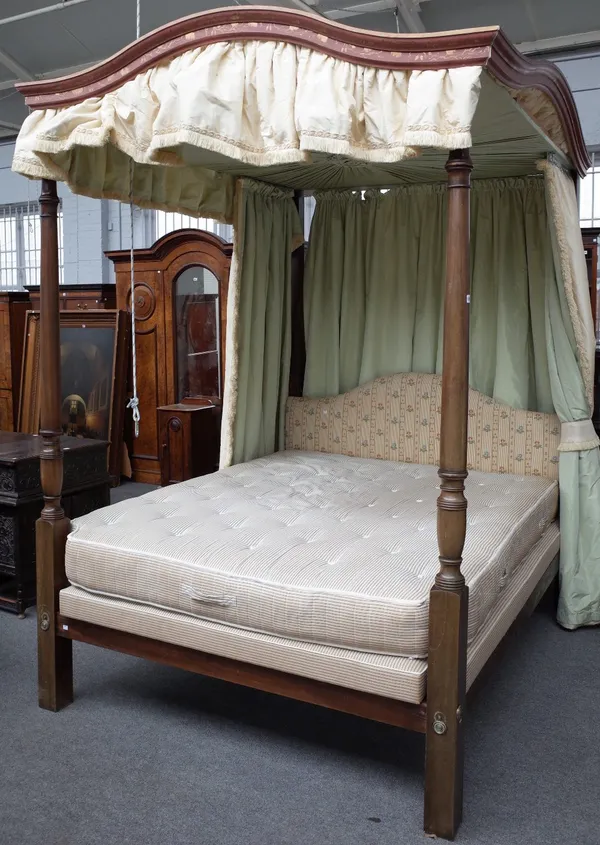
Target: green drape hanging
375,284
373,306
258,343
571,342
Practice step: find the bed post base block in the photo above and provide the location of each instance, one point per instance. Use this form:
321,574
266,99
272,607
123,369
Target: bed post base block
55,654
446,693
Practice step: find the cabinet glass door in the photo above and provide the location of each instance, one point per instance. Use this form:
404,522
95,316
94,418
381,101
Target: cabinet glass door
197,327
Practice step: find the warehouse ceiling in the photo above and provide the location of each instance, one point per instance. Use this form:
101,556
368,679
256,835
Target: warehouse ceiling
68,35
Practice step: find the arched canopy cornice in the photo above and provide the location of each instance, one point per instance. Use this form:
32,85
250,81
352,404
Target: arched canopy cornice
486,47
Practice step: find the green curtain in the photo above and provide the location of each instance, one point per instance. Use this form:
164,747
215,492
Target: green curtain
374,288
374,301
267,227
579,476
579,468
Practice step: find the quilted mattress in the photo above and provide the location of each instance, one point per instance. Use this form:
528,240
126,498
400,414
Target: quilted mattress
315,547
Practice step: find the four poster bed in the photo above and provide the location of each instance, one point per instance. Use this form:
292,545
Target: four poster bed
316,563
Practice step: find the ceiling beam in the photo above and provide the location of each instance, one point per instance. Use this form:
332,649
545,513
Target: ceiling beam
408,11
307,6
34,13
6,124
10,83
12,64
561,42
370,7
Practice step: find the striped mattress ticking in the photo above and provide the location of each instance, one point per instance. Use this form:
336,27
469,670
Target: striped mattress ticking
315,547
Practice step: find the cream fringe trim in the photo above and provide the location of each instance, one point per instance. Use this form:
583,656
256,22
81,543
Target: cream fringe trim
159,150
584,446
551,172
232,349
432,138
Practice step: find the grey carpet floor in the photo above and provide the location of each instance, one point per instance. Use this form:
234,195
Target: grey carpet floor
149,755
130,490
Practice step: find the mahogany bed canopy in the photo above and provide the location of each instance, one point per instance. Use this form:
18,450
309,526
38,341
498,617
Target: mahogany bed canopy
228,113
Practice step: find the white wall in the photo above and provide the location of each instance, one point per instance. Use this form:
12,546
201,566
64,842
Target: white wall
89,226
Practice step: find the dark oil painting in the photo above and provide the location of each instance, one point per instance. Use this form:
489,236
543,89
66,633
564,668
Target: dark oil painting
87,359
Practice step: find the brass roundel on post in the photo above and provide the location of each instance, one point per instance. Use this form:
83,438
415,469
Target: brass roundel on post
439,724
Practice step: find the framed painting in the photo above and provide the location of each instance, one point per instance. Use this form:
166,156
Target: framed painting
94,350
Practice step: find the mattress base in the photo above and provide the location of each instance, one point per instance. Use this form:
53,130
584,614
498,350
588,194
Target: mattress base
400,678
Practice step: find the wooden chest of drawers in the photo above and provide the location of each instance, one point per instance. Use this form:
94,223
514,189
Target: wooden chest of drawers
79,297
85,488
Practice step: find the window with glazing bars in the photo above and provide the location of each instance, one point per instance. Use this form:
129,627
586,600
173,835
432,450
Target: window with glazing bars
589,195
20,252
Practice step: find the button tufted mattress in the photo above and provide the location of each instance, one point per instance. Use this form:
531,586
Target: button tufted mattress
391,676
315,547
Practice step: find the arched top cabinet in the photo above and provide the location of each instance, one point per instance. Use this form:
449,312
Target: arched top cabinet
180,289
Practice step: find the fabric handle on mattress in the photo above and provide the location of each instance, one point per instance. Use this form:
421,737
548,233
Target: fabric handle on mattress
221,601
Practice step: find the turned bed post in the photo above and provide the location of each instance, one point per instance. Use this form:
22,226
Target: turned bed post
447,656
55,669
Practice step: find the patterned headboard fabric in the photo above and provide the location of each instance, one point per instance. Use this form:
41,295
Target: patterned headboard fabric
397,418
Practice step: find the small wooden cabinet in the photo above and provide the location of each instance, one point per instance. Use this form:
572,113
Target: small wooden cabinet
13,308
189,438
180,291
79,297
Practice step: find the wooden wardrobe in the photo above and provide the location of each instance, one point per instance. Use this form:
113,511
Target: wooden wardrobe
180,287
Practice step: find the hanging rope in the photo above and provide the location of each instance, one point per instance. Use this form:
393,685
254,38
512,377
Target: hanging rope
134,402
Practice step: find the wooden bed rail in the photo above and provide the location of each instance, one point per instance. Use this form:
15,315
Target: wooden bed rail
366,705
448,604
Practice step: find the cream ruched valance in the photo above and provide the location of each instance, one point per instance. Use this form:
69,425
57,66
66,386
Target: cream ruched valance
260,103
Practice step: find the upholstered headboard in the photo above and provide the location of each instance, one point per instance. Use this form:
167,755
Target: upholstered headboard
397,418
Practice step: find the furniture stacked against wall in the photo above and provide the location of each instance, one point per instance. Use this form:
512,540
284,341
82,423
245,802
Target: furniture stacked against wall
79,297
181,286
13,307
85,488
317,572
93,369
